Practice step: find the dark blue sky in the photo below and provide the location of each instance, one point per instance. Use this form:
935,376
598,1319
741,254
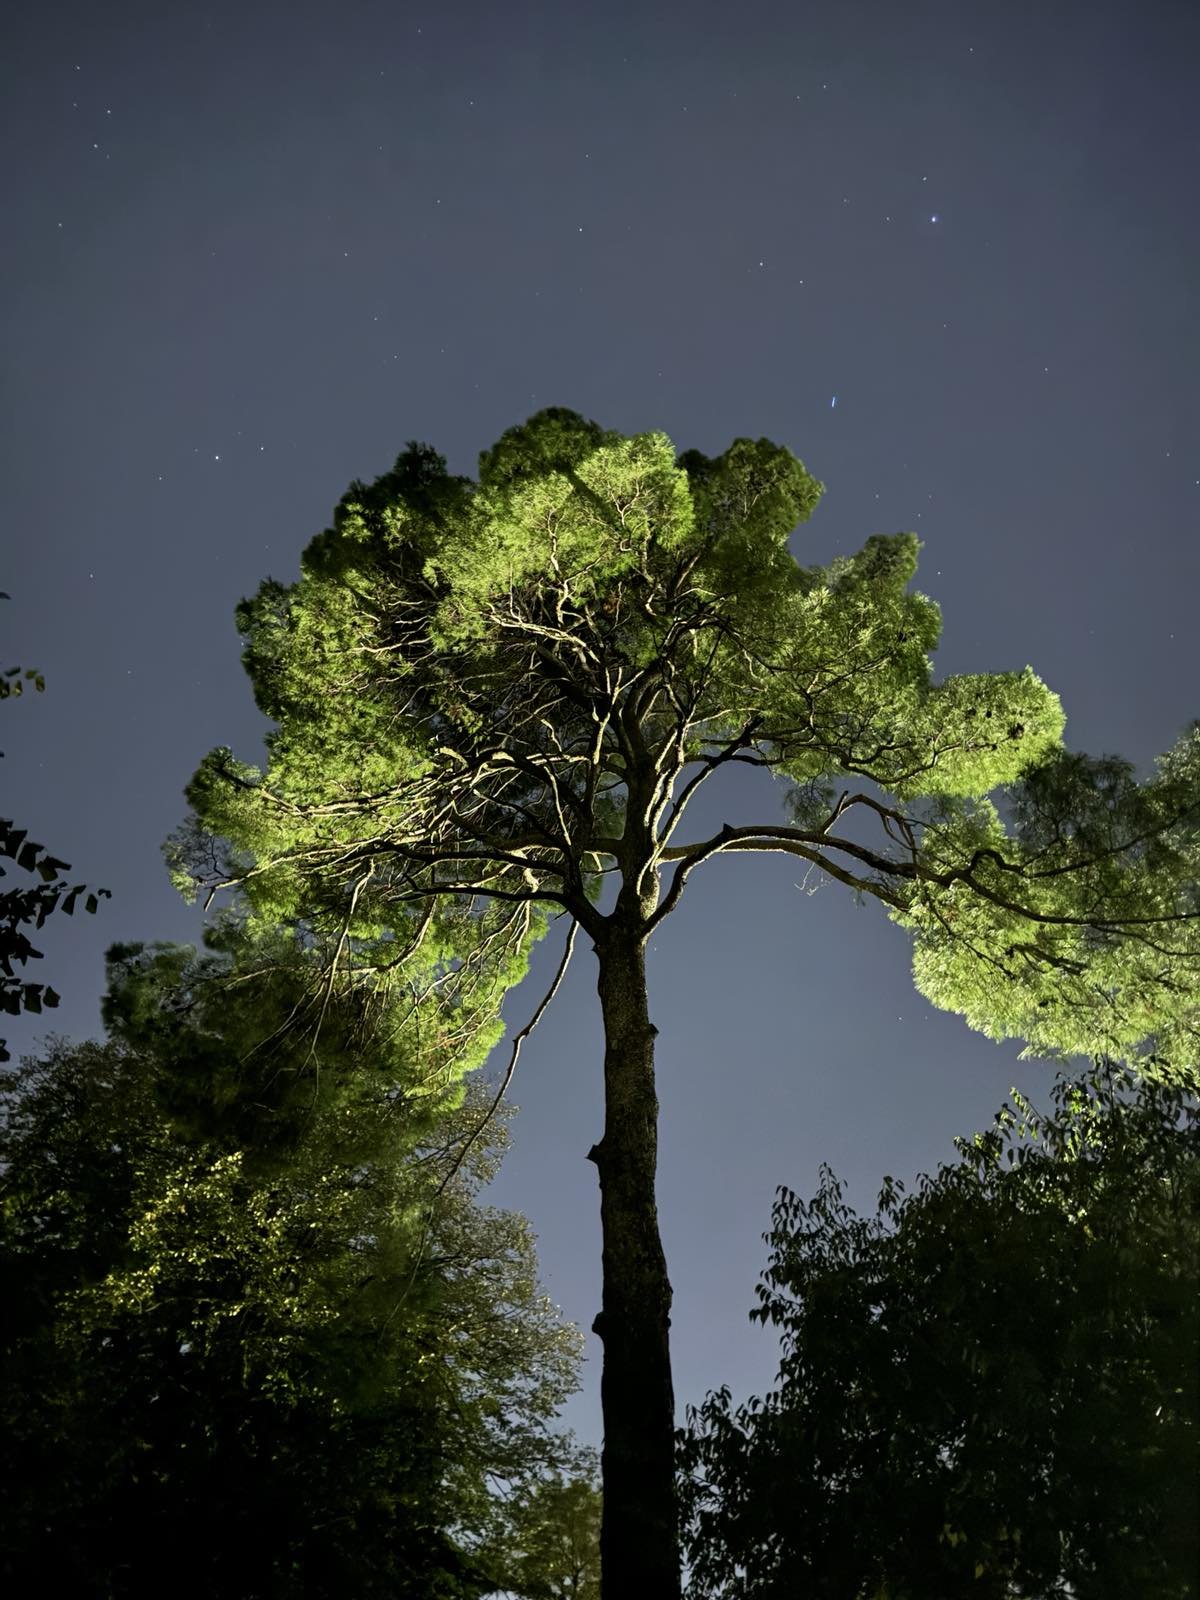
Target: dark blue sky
252,249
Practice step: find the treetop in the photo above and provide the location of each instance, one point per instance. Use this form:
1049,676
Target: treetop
506,689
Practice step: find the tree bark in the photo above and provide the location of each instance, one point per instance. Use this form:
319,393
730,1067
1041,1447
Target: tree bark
639,1542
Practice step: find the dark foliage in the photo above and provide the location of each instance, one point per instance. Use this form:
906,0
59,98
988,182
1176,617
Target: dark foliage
990,1388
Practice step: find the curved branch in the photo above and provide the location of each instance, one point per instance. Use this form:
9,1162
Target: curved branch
786,841
708,765
1108,924
518,1041
783,838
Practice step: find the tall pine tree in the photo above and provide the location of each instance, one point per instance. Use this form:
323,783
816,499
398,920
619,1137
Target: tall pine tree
494,699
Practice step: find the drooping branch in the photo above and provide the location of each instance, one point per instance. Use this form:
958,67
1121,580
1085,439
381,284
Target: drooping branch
1100,923
514,1055
813,847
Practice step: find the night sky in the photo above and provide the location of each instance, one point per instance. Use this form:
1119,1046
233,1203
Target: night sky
251,250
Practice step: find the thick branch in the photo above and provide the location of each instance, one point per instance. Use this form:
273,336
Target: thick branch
788,841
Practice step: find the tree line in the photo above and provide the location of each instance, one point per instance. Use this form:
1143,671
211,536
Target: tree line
281,1308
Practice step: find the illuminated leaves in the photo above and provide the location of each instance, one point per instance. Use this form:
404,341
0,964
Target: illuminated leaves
471,678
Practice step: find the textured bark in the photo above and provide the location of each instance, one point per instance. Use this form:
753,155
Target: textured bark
639,1548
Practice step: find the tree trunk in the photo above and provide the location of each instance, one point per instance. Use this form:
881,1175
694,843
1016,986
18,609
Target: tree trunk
639,1545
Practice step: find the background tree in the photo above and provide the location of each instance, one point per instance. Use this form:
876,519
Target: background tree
29,907
262,1338
989,1388
550,1539
507,692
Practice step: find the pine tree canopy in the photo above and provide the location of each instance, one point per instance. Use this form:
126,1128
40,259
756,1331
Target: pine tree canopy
494,693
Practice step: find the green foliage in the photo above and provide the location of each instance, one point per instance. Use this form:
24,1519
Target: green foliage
839,663
13,680
1079,925
471,678
550,1545
265,1341
988,1389
588,513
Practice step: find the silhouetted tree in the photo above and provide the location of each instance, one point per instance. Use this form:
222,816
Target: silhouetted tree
29,907
990,1388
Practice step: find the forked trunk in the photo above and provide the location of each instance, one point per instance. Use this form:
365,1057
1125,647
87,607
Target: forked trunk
639,1547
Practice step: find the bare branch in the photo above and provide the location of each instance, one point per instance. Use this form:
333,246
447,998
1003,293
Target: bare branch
518,1041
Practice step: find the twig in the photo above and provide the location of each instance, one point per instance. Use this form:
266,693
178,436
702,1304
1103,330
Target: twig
518,1041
